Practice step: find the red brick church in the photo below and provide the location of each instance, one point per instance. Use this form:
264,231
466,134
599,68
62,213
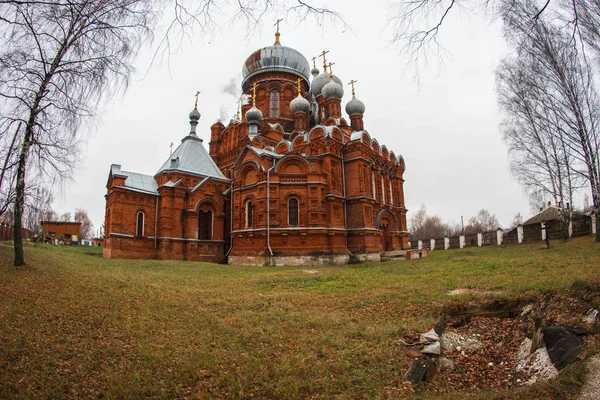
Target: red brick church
293,181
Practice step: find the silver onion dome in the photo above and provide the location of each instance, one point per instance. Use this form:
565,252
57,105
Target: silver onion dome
355,106
253,115
321,80
276,58
332,90
195,114
314,72
300,104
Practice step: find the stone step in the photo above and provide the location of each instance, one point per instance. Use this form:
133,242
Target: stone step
394,255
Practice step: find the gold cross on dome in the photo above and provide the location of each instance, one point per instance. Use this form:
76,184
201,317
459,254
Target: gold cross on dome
331,70
298,82
254,93
277,34
352,82
277,23
324,59
196,104
314,60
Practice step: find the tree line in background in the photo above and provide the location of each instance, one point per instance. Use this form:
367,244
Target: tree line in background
39,208
424,226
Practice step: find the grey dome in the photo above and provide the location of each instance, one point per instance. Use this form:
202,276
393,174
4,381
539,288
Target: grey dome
195,114
300,104
275,58
254,115
323,79
355,106
314,71
332,90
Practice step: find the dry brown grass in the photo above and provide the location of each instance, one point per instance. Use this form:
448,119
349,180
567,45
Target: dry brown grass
75,325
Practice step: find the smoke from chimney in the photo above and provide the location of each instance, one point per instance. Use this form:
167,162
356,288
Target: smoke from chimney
223,114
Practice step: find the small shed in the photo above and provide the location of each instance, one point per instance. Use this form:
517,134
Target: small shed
59,232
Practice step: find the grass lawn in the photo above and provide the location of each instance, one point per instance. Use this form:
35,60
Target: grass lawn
76,325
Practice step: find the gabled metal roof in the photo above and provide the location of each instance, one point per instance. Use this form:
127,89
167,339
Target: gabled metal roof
191,157
135,181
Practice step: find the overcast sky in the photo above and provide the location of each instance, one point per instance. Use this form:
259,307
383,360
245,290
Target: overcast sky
446,127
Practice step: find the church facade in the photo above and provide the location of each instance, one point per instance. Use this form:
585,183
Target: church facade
290,182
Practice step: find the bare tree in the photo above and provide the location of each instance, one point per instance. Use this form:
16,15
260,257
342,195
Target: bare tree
38,208
539,157
60,60
87,228
423,226
484,221
417,25
558,114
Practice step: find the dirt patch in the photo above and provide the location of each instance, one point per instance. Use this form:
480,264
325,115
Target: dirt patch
487,346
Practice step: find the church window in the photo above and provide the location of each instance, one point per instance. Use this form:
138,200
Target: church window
205,225
293,212
249,210
274,104
139,227
382,190
391,193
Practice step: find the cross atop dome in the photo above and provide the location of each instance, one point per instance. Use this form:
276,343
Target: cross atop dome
277,34
352,82
324,59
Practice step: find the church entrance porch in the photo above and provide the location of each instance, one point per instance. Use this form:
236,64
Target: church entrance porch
385,236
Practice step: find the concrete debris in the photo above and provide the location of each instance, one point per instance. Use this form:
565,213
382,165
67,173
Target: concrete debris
433,348
453,341
429,337
538,364
591,316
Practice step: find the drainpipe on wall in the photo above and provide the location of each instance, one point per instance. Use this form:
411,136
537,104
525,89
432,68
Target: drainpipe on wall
230,220
345,211
156,222
269,208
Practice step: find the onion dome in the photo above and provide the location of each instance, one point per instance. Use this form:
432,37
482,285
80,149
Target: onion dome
355,106
254,115
314,72
276,58
195,114
321,81
300,104
332,90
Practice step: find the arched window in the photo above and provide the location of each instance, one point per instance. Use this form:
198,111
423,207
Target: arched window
293,212
274,104
249,210
139,226
205,225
